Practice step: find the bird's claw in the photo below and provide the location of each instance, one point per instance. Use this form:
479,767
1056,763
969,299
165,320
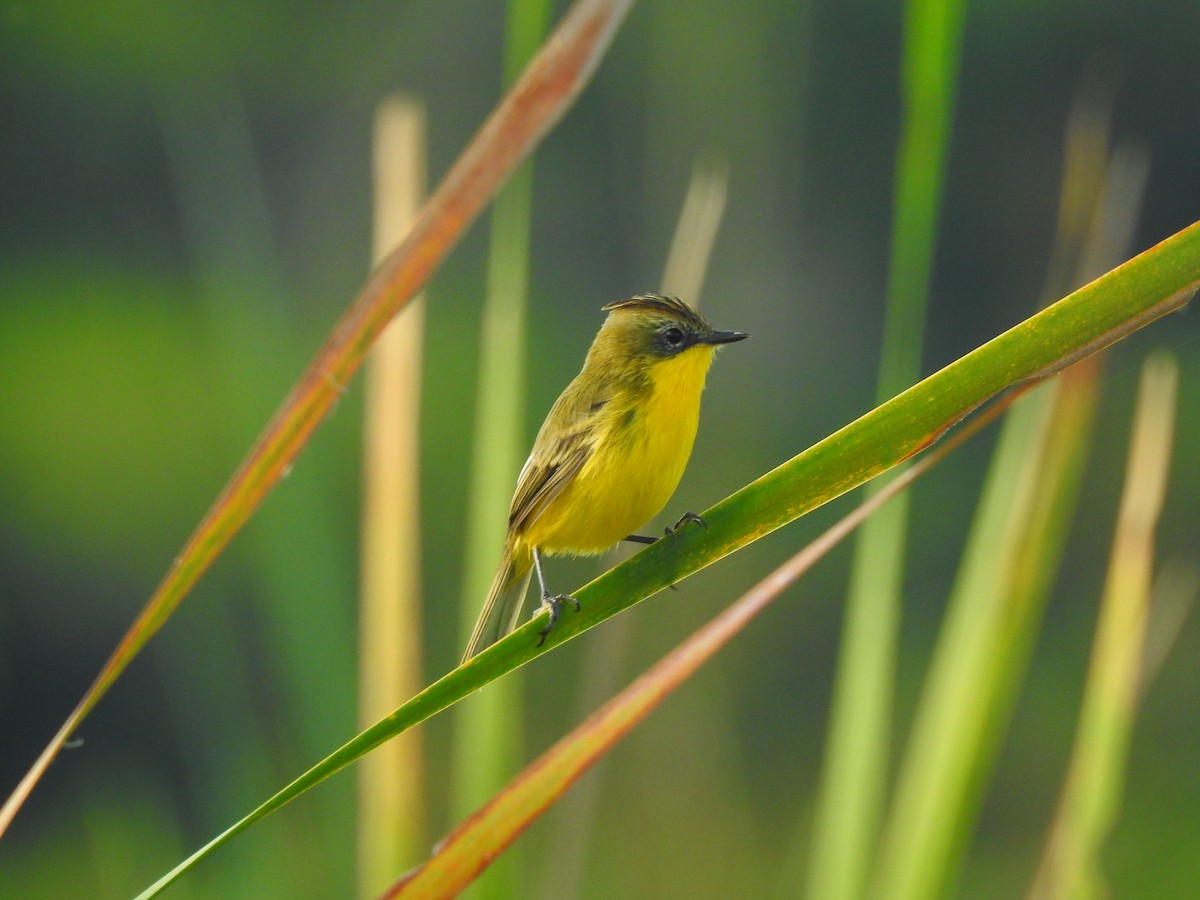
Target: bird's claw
553,604
669,530
684,520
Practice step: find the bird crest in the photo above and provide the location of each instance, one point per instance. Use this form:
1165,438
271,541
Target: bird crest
665,303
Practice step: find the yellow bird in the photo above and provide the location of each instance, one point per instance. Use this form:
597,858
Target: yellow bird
610,453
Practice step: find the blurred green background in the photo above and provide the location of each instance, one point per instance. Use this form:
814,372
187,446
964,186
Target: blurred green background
185,209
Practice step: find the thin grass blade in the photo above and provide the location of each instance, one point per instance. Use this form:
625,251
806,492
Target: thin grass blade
391,802
1175,590
1091,796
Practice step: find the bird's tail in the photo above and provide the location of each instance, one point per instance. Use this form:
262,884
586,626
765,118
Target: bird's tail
504,600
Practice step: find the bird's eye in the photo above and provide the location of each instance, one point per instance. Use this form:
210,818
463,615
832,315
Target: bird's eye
673,337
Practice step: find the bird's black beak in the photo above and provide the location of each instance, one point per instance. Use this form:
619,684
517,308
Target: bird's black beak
723,337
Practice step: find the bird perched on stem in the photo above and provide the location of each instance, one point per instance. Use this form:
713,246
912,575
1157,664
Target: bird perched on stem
610,453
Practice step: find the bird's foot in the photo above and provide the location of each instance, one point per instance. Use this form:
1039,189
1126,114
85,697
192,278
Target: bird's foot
684,520
669,530
553,604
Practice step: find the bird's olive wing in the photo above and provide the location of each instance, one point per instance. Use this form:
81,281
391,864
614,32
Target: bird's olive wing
564,444
545,475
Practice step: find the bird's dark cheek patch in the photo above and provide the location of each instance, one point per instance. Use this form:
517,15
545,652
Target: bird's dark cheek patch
667,350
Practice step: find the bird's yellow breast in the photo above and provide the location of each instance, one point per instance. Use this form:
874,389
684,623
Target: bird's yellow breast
645,438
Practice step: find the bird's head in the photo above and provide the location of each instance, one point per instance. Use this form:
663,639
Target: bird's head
654,327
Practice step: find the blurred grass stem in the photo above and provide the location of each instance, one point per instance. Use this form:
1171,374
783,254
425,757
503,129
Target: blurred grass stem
1071,866
851,793
1012,554
391,802
488,742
